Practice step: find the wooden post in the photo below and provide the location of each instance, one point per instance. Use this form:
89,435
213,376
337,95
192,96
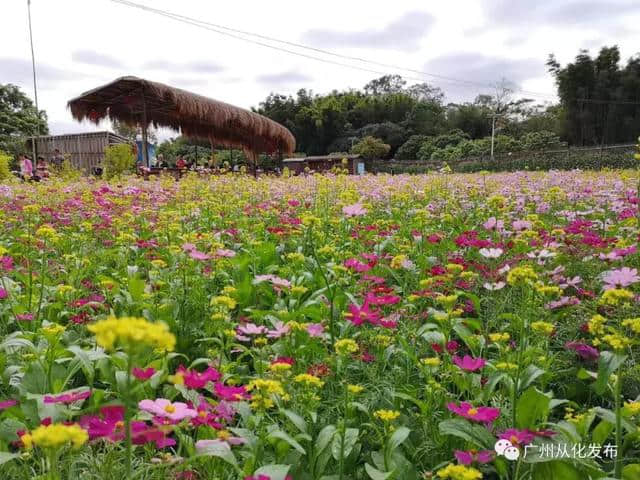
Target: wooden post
145,153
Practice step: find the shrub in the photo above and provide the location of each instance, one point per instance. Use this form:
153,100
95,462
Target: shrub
409,149
370,148
5,171
118,159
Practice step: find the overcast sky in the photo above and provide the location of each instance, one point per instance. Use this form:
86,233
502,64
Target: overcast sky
81,44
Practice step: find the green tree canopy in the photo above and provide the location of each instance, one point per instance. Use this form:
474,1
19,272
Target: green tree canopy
18,119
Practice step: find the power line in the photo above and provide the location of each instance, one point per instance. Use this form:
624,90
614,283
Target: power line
223,30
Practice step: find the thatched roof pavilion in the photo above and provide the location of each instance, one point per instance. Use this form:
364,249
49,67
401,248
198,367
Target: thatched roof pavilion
136,101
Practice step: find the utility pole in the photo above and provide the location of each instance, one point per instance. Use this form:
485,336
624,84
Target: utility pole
35,85
493,117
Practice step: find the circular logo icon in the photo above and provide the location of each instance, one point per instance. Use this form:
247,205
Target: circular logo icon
511,453
501,445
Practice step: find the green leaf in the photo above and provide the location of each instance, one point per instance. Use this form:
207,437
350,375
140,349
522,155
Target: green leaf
607,364
274,472
631,472
376,474
556,470
476,434
399,436
136,288
529,376
9,428
602,432
324,438
532,406
610,417
34,379
287,438
219,449
296,419
7,457
350,439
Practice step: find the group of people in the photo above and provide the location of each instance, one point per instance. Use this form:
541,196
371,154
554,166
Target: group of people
27,172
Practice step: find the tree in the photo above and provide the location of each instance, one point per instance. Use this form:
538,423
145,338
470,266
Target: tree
18,119
409,149
131,133
385,84
371,148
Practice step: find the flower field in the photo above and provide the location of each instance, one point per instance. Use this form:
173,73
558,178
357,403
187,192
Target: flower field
323,327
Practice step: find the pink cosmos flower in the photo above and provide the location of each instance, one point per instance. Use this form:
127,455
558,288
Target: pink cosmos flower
222,252
280,329
471,456
249,329
25,317
7,404
6,263
230,393
359,315
476,414
203,445
3,293
315,329
521,225
562,302
356,265
275,280
68,397
198,255
109,424
355,210
163,408
493,224
622,277
518,437
143,374
468,363
194,379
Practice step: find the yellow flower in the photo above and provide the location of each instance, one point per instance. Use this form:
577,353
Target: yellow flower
225,301
459,472
520,276
617,341
499,337
56,435
398,261
549,290
633,324
386,415
545,328
447,301
131,331
158,263
454,268
431,361
295,257
506,366
308,380
345,346
616,296
596,325
631,408
280,367
355,389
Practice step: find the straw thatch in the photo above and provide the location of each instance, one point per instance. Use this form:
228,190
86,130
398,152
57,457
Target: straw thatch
126,99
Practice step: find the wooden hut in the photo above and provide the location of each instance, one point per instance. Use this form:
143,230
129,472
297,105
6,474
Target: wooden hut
323,163
139,102
86,149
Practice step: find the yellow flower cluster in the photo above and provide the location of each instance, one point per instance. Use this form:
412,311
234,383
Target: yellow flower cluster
506,366
545,328
430,361
355,389
459,472
308,380
617,341
224,301
345,346
280,368
130,331
520,276
596,325
616,296
386,415
631,408
55,435
262,390
447,301
633,324
549,290
398,261
499,337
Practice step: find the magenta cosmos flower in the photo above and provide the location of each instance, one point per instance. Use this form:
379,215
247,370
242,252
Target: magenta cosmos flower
477,414
355,210
586,352
518,437
7,404
143,373
315,329
470,456
230,393
3,293
163,408
622,277
194,379
67,397
468,363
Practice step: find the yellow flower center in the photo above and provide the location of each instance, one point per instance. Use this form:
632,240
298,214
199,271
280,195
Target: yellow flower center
169,409
202,414
472,411
119,424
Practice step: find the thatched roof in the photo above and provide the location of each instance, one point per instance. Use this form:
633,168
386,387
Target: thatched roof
192,114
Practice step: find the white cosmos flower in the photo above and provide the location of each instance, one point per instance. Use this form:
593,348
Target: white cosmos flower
491,252
494,286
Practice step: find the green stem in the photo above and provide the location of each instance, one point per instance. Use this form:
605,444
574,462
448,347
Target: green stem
127,417
618,401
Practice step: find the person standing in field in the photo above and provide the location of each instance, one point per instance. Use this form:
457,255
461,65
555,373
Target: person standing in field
57,159
26,167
